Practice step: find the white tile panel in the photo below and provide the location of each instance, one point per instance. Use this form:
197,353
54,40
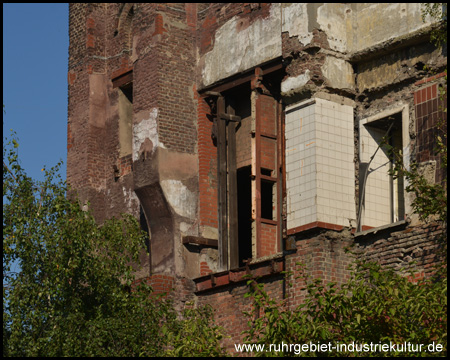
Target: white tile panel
319,146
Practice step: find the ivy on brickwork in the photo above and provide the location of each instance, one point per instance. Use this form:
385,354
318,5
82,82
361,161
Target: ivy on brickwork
377,305
68,286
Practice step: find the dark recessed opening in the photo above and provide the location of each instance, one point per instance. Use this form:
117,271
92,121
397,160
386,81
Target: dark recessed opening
127,90
244,190
266,172
240,99
267,199
385,123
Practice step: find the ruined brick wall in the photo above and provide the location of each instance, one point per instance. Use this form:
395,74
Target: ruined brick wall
177,126
232,304
166,161
152,45
416,249
212,16
378,74
413,252
323,256
87,114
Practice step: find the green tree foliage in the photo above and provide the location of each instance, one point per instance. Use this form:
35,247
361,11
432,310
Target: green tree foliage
68,283
195,334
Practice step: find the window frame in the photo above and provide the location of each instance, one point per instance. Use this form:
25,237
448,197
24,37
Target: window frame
402,109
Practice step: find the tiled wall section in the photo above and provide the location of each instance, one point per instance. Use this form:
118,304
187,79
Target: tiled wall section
335,167
319,163
301,165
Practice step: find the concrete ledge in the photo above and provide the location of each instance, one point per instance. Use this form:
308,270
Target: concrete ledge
380,228
313,225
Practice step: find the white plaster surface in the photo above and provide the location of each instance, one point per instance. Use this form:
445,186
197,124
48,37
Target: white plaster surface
336,22
146,129
377,197
292,83
295,22
182,200
237,49
188,229
332,18
130,197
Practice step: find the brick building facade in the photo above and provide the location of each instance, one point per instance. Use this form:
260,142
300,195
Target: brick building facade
243,135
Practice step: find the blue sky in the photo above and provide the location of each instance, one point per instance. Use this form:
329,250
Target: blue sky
35,56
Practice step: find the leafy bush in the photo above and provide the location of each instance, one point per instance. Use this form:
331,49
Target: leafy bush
67,281
374,307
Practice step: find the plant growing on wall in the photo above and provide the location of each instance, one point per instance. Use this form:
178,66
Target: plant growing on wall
374,307
68,286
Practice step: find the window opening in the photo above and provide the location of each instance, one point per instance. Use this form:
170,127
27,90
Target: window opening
244,213
267,197
239,175
126,119
246,129
381,199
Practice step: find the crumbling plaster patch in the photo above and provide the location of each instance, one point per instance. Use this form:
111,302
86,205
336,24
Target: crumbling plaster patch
236,49
352,28
211,257
378,72
209,232
295,22
296,82
180,198
336,21
145,135
130,197
339,73
188,229
428,170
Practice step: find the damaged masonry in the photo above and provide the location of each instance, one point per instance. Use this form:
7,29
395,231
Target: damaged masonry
247,137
